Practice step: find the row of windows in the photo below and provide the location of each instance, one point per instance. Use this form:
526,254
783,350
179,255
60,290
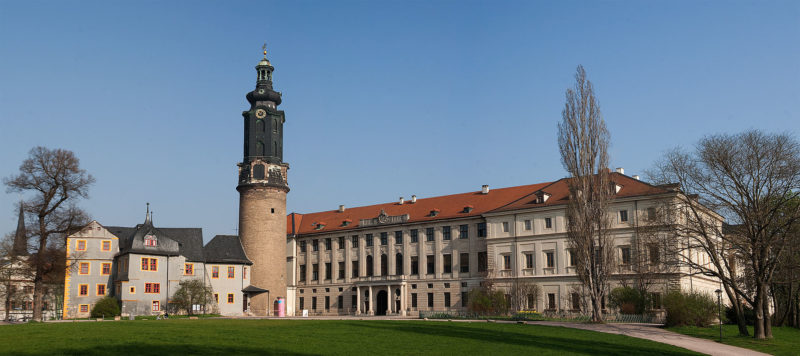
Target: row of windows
446,296
81,245
230,298
369,239
84,268
83,290
231,272
654,254
622,217
430,260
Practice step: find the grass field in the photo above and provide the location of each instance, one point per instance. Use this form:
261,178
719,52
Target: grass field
308,337
786,341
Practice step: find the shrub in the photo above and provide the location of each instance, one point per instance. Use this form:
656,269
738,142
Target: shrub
485,301
628,300
693,309
108,306
749,315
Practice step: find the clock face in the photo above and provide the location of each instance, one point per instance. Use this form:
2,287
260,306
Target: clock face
260,113
261,91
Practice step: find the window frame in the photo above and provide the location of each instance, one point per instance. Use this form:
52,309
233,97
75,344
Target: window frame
97,289
214,272
88,268
83,290
78,245
188,267
230,299
231,272
105,243
103,268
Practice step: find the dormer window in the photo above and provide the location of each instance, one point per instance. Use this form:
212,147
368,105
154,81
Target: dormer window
150,240
541,197
468,209
319,226
434,212
347,222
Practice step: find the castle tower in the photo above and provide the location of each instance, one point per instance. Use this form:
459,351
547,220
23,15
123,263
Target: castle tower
262,193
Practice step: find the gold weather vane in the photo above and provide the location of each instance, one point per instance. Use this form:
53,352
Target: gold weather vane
264,47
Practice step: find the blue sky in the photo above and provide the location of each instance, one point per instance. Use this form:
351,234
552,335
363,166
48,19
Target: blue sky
383,99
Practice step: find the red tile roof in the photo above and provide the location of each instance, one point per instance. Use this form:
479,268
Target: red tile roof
453,206
448,206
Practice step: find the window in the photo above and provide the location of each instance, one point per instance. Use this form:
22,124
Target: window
370,265
571,259
463,231
327,244
215,272
106,245
532,301
413,300
430,300
132,290
313,303
328,270
231,272
83,289
651,214
341,270
244,272
414,236
327,302
384,265
527,225
529,260
188,269
368,239
315,272
340,302
550,259
81,245
303,246
340,242
551,301
623,216
149,264
654,254
431,264
398,237
152,287
230,298
398,264
626,255
302,273
448,263
84,268
354,240
106,269
482,229
548,223
505,226
483,261
314,245
414,265
429,234
302,303
463,263
354,269
84,308
656,299
101,289
150,240
506,262
464,299
384,238
216,298
576,301
447,299
445,232
156,306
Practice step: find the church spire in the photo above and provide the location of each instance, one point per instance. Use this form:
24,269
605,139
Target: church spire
20,247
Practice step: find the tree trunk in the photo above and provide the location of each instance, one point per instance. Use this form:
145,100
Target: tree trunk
38,285
767,318
758,326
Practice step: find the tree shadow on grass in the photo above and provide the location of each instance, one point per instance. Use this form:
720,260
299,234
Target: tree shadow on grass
558,344
174,349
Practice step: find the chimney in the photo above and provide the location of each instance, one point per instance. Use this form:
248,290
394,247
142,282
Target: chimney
621,170
636,176
401,201
485,189
413,198
341,208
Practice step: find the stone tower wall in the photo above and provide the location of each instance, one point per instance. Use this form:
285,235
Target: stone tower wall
262,229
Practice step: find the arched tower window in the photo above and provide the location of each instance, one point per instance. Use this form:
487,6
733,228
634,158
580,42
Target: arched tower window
259,125
260,148
258,171
275,125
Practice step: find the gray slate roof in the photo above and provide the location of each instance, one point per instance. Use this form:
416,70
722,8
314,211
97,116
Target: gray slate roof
187,242
225,249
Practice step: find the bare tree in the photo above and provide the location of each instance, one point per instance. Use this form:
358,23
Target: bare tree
190,293
751,180
523,293
14,275
55,182
583,141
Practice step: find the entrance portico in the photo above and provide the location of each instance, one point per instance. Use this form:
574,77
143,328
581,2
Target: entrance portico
381,296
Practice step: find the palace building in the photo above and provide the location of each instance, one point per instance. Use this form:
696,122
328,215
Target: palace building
398,258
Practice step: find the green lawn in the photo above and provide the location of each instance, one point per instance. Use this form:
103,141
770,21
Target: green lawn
785,341
307,337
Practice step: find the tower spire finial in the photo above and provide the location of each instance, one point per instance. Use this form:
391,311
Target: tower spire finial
148,218
264,47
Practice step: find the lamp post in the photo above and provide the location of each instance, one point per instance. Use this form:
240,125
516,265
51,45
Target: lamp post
719,309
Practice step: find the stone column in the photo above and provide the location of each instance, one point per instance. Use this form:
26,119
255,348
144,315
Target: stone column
348,263
455,263
437,253
371,304
403,306
389,300
358,300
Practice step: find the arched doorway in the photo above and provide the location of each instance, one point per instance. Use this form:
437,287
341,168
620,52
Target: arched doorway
380,303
